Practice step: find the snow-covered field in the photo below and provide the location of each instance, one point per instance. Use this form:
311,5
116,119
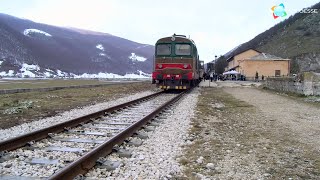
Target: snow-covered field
34,71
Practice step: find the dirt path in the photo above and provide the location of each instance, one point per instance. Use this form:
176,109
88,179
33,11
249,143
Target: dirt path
303,119
247,133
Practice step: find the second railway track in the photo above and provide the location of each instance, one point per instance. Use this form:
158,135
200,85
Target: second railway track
69,149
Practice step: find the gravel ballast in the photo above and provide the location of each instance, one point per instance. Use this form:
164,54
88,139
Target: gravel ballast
157,157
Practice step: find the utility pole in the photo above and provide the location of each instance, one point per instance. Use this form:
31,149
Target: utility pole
215,61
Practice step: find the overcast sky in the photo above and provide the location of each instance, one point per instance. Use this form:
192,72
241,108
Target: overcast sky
216,26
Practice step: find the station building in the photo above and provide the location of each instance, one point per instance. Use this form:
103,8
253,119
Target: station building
250,61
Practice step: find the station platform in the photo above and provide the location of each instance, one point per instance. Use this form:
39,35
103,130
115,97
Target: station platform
228,83
208,83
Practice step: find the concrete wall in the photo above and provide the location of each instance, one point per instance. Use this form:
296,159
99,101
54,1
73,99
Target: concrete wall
307,83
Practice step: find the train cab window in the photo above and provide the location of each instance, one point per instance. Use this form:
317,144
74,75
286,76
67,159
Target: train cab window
183,49
164,49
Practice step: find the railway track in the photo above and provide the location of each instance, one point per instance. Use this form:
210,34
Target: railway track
72,148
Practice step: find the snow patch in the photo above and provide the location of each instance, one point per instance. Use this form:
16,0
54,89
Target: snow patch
33,71
111,75
142,46
144,74
61,73
100,46
47,74
27,67
26,70
9,74
1,63
102,54
134,57
49,70
27,32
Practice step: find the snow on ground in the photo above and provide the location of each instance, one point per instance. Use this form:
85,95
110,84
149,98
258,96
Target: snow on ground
1,63
27,32
134,76
49,70
10,73
47,74
100,46
26,70
27,67
61,74
111,75
142,46
144,74
134,57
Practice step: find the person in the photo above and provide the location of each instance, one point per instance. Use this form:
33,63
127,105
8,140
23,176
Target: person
262,77
211,76
204,76
257,77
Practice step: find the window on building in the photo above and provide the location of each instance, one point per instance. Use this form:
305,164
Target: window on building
277,72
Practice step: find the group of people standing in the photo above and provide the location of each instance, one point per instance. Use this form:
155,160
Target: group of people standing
212,76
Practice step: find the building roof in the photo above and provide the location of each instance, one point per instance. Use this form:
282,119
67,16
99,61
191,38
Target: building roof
242,52
265,56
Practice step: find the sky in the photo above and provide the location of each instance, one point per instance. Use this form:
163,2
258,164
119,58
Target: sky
216,26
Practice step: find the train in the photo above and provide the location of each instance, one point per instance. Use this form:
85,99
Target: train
176,63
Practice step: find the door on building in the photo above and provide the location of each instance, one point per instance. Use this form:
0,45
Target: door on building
277,72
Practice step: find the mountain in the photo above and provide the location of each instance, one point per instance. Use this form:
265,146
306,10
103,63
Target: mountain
33,49
296,38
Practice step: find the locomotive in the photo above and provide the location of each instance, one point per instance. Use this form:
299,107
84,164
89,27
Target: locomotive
176,63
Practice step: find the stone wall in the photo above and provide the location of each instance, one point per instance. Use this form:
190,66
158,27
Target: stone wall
307,83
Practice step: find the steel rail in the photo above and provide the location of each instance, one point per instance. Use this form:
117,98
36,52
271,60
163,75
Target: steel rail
19,141
86,162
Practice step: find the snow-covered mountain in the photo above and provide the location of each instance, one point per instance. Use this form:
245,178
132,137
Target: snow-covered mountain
29,49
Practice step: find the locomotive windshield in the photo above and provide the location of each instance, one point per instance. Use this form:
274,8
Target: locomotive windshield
183,49
164,49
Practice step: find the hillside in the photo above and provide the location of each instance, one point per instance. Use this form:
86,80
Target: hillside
32,49
297,38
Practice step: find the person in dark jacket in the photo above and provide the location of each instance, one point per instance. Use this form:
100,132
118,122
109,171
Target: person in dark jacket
204,76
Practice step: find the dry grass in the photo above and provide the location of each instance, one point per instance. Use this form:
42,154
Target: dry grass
45,83
25,107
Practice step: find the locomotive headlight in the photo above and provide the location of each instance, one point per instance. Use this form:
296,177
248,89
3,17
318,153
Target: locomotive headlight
160,66
185,66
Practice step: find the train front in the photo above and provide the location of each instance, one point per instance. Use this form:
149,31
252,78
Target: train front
176,64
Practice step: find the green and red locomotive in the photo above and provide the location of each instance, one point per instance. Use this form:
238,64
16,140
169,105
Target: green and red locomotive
176,63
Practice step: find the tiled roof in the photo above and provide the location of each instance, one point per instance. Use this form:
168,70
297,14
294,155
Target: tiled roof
241,52
265,56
